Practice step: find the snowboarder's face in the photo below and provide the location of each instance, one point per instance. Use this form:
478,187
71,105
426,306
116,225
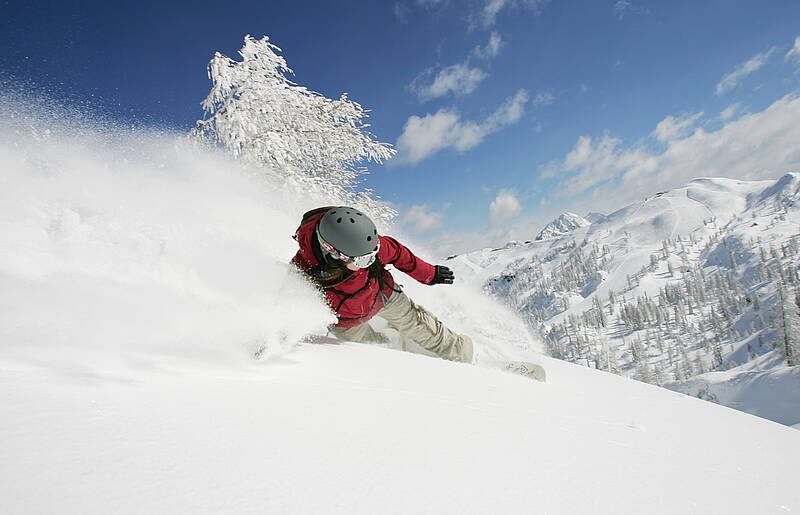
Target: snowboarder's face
353,267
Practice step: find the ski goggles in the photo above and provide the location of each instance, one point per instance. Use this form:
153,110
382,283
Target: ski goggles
360,261
367,259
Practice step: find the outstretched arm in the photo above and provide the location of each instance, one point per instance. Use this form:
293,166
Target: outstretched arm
395,253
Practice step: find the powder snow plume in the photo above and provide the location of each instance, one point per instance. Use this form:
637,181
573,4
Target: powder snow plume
120,245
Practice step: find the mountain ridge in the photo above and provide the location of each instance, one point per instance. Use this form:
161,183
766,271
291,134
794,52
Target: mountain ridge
665,289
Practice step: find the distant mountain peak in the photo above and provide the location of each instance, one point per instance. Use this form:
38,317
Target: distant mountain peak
785,190
562,225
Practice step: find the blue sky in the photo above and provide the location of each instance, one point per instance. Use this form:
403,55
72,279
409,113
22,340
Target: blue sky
505,113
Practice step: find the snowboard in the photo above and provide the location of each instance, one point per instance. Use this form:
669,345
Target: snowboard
522,368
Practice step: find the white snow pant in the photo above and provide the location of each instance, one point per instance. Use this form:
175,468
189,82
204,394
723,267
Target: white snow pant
417,324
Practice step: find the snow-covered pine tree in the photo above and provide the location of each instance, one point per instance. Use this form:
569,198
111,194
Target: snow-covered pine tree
607,359
258,114
787,326
717,350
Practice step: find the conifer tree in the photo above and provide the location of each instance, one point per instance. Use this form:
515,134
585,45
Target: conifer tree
260,115
787,326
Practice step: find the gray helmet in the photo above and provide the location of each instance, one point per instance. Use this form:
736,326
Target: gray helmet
348,231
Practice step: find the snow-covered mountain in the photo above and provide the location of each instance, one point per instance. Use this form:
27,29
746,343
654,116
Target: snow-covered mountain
562,225
683,283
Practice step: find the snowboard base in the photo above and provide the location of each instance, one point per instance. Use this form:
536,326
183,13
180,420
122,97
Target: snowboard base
522,368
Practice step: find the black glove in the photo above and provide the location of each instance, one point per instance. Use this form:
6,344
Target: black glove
443,275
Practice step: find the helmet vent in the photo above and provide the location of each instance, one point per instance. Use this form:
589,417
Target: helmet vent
347,230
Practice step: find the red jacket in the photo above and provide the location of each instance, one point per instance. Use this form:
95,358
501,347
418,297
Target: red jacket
358,309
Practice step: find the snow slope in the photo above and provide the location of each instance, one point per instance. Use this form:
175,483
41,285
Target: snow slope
349,428
140,275
771,393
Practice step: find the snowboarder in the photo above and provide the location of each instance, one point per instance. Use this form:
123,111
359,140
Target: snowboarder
343,254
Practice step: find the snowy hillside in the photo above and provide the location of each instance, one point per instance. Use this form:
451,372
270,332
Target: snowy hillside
348,428
665,290
562,225
139,278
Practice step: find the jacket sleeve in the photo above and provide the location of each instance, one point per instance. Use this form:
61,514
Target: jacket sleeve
394,253
300,262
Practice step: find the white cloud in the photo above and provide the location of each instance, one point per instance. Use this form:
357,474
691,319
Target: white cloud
509,113
402,9
594,162
425,136
491,8
794,53
543,99
536,5
755,146
729,112
460,79
752,65
620,7
492,48
671,128
423,220
430,4
503,208
401,12
551,169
